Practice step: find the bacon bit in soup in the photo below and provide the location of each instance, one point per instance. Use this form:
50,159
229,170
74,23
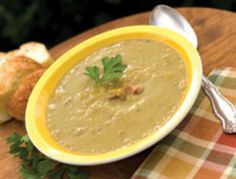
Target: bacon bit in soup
121,93
134,89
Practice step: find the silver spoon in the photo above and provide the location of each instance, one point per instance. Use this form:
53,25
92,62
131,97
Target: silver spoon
165,16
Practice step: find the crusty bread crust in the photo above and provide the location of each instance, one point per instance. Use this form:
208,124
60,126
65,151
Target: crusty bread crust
11,72
18,100
10,54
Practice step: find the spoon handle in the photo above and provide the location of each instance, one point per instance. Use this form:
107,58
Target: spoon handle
222,108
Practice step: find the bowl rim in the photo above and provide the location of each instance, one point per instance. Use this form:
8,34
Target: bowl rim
195,69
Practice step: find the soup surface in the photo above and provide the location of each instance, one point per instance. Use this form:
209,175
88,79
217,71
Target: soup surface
87,119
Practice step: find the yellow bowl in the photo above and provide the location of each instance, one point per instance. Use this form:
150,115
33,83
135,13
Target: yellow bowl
35,113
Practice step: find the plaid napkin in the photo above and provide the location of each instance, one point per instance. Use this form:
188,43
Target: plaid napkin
197,148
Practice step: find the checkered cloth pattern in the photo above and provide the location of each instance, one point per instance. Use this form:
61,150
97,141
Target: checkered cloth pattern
197,148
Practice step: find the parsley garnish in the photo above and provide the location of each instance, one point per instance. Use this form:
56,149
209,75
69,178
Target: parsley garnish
112,70
34,165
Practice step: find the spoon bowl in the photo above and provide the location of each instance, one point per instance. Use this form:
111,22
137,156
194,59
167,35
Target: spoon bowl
165,16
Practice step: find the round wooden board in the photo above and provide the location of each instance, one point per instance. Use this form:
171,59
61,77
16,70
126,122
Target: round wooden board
216,32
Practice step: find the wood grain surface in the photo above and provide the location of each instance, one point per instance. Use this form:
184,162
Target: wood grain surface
217,35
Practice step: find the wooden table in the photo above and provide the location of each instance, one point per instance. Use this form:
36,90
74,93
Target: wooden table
217,35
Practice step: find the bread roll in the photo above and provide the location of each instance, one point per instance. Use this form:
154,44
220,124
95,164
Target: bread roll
38,52
10,54
18,100
11,72
34,50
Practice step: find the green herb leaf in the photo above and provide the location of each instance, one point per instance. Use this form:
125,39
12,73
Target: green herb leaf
14,138
28,174
112,70
115,61
25,139
93,72
45,166
57,173
74,173
106,63
35,165
112,76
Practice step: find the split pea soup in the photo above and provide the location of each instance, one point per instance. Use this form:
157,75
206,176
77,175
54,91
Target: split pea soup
86,118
